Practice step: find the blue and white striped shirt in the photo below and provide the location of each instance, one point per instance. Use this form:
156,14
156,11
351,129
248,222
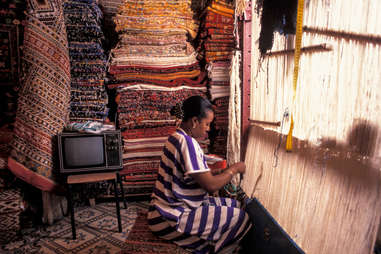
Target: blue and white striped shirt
182,156
182,211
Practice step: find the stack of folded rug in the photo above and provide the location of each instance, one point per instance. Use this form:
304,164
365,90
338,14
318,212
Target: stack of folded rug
217,46
43,97
87,59
217,31
144,117
153,67
221,122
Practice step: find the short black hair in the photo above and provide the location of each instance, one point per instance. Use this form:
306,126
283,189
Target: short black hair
196,106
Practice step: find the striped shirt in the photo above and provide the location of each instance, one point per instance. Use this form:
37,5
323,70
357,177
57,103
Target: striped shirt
182,211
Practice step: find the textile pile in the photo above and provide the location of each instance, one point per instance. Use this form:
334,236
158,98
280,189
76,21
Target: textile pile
217,31
10,12
44,96
153,67
217,47
88,61
221,126
109,9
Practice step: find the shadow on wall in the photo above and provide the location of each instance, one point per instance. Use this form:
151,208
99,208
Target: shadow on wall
361,140
354,157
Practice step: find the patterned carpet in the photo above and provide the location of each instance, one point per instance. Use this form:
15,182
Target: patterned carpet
97,229
9,215
141,240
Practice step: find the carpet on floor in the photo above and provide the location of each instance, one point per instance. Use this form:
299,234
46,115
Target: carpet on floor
9,215
141,240
97,229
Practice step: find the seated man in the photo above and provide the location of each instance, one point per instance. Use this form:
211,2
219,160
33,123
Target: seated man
181,209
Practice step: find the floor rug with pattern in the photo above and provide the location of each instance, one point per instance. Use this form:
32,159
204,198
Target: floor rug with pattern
97,229
141,240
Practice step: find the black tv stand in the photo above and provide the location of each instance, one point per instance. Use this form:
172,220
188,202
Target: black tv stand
92,177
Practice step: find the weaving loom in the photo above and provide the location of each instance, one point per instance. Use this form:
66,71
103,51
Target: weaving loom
326,192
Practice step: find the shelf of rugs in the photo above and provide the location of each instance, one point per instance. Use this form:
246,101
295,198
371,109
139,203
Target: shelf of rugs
217,47
83,20
152,68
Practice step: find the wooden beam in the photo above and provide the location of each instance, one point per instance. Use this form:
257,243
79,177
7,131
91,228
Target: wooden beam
246,77
307,49
370,38
264,122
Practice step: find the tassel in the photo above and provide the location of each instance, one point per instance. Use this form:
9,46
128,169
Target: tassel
298,44
289,136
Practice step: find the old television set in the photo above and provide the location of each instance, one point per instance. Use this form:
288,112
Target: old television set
87,152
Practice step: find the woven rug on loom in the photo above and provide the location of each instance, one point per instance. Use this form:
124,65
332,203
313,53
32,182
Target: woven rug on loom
141,240
44,94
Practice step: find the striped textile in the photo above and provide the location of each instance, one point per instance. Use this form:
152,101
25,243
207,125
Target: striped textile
221,124
42,107
83,20
182,211
153,67
156,15
140,107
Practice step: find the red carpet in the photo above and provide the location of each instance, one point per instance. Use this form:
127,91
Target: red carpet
141,240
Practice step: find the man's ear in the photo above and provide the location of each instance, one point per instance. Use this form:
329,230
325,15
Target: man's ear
194,122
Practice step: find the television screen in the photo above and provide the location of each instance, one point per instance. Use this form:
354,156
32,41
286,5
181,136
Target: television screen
83,151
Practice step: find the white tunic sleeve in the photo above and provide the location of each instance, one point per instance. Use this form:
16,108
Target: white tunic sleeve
194,158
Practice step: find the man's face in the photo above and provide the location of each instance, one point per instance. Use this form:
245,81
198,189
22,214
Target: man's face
203,126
